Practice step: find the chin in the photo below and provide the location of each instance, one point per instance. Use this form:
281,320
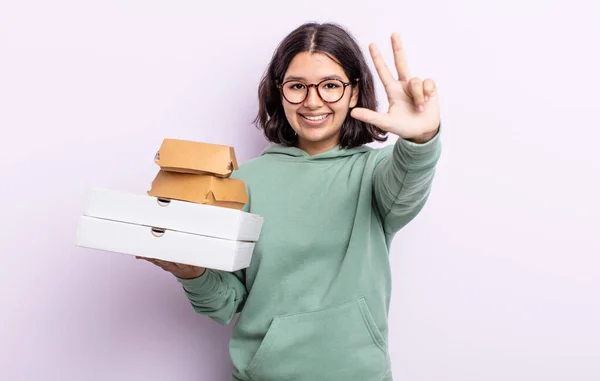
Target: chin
319,138
315,137
316,134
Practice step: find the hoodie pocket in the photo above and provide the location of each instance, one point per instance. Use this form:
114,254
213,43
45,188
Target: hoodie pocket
338,343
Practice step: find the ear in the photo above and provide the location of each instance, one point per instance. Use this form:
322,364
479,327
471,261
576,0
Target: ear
354,98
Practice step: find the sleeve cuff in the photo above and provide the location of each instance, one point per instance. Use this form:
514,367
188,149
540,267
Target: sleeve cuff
418,155
203,284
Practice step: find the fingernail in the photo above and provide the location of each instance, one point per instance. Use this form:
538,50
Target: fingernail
421,108
426,98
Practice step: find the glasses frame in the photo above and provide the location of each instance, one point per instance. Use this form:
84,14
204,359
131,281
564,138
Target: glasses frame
316,86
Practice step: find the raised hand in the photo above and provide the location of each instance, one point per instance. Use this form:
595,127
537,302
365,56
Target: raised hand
414,110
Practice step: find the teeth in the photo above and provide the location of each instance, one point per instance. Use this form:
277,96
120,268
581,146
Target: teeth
315,118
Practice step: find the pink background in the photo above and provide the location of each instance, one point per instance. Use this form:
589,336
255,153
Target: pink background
496,279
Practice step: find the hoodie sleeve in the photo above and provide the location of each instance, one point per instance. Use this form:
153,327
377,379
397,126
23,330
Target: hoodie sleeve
218,294
402,181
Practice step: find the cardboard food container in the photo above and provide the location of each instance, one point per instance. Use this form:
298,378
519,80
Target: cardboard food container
185,156
170,230
201,189
164,244
176,215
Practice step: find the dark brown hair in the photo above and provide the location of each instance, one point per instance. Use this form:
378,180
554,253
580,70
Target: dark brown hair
339,45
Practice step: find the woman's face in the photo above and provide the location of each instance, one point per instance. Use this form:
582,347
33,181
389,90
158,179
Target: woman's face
316,122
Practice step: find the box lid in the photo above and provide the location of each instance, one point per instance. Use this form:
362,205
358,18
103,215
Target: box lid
186,156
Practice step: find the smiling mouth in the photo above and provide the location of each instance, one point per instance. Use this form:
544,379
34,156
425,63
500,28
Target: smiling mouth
314,120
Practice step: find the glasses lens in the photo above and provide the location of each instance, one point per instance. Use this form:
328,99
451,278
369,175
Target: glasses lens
294,91
331,90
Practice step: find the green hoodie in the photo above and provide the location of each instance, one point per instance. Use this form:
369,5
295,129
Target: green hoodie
314,302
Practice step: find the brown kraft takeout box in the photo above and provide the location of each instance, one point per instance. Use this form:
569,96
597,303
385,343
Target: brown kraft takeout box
201,189
185,156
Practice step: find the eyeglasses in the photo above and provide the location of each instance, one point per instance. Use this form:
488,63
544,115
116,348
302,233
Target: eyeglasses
329,90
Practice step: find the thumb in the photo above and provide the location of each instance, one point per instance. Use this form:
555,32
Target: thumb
369,116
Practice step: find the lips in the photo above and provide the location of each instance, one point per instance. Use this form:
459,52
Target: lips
315,117
314,120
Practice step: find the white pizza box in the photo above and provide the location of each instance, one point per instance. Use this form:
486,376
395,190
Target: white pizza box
182,216
164,244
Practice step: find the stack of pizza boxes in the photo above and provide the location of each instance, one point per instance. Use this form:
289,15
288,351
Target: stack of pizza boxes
191,215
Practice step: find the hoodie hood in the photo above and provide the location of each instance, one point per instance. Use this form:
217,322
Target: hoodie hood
294,152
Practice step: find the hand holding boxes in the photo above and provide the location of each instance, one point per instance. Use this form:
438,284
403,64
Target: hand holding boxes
191,215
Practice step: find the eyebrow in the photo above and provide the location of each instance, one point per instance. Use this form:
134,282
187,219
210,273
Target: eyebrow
296,78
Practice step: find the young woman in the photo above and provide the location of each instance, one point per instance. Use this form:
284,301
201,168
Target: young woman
314,302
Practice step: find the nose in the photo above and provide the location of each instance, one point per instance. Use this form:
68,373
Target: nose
313,100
